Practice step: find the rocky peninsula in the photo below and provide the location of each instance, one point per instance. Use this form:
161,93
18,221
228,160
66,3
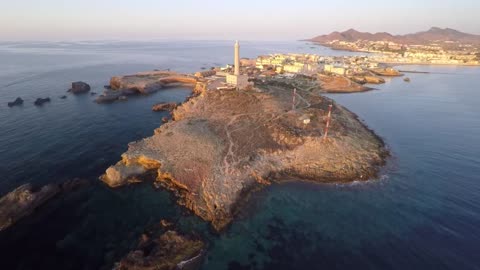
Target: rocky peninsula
143,83
224,144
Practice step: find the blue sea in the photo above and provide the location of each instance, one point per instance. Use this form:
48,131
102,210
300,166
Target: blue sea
422,213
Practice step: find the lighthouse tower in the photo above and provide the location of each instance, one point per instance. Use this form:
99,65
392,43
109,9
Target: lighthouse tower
237,79
237,58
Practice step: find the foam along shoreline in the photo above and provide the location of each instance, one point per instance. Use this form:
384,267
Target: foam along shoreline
224,144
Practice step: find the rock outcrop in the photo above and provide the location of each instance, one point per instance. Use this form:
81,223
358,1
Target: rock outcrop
388,72
17,102
143,83
41,101
160,107
170,251
224,144
339,84
79,88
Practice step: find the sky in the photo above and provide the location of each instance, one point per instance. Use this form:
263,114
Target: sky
63,20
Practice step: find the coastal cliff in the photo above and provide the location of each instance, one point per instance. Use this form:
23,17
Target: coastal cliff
224,144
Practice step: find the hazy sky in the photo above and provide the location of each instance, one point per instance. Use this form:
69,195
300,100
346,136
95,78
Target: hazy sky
226,19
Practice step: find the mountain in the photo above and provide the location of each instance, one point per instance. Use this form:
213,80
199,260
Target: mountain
435,34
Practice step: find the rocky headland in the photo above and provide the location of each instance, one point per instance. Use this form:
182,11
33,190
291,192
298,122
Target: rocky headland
340,84
224,144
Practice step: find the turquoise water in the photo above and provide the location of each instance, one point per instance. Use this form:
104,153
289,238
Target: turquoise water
423,213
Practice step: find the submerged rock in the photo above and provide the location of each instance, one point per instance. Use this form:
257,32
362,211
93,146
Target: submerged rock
63,97
169,251
79,88
41,101
18,101
159,107
25,199
22,202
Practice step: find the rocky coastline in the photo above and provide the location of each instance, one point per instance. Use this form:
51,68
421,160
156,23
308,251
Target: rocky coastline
224,144
143,83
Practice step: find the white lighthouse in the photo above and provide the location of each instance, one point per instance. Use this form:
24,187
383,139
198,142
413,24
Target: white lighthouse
236,79
237,58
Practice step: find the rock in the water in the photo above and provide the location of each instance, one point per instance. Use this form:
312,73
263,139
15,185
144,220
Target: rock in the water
93,94
164,107
63,97
79,88
169,251
22,202
16,102
164,120
120,175
40,101
25,199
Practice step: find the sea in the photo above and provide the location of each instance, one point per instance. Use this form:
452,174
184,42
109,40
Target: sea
423,212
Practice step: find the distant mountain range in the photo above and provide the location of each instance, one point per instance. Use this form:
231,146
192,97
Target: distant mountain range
435,34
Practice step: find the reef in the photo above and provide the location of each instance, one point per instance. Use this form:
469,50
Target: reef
168,251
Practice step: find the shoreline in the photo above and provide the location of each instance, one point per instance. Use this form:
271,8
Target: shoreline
336,48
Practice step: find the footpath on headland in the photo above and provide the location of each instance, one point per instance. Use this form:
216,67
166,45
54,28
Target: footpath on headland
223,144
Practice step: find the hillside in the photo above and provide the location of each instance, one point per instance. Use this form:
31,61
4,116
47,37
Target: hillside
434,34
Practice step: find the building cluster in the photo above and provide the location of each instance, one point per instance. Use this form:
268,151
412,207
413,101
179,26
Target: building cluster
309,64
448,53
243,72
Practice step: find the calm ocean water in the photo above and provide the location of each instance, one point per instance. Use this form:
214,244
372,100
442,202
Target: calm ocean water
423,213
